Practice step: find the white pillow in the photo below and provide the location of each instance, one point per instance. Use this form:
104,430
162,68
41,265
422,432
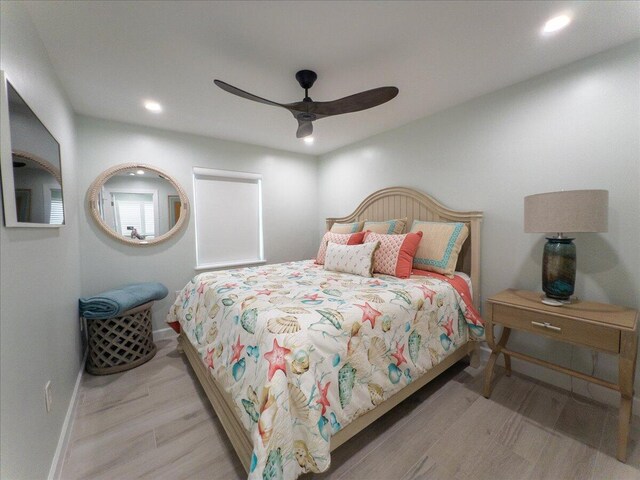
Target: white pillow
355,259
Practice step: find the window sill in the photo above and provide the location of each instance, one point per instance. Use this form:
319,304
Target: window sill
239,263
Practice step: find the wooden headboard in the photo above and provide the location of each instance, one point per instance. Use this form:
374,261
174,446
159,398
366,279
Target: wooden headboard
401,202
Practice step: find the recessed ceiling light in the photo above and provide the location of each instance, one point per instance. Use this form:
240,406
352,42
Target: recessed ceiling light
152,106
140,172
556,23
131,173
308,140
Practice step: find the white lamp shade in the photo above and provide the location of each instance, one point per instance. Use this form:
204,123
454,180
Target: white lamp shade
564,212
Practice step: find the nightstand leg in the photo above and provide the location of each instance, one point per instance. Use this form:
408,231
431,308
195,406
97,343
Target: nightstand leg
624,420
488,373
495,351
626,372
506,332
507,364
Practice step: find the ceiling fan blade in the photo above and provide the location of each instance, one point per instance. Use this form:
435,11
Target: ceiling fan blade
241,93
305,128
352,103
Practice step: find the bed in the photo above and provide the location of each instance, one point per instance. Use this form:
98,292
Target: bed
296,359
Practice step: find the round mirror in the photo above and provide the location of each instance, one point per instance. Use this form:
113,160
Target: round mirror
138,204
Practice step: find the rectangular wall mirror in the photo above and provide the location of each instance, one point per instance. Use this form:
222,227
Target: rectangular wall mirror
32,193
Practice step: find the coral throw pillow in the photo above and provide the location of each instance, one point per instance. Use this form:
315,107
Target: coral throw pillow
396,252
340,239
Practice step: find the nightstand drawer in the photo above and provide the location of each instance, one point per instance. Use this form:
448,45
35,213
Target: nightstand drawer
564,329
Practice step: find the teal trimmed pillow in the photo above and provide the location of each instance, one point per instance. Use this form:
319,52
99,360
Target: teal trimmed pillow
354,227
387,227
440,246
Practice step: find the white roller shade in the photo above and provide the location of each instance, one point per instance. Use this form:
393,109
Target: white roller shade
228,214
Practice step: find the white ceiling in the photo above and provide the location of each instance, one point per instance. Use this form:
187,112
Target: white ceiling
112,55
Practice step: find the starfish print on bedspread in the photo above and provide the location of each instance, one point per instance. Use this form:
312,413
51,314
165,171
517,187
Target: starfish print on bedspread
323,400
399,355
427,292
369,314
237,350
276,359
208,359
449,327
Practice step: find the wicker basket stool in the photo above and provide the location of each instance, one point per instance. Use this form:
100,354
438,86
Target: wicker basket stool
120,343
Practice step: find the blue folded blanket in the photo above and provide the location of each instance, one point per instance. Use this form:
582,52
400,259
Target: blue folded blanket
114,302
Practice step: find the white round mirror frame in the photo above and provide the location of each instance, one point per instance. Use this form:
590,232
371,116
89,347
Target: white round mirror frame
94,192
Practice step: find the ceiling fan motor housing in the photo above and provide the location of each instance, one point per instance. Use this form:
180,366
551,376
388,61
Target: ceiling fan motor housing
306,78
306,117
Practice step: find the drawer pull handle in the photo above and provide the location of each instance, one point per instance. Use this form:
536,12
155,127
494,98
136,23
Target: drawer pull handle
546,325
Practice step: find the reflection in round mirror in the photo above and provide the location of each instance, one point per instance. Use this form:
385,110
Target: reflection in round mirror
138,204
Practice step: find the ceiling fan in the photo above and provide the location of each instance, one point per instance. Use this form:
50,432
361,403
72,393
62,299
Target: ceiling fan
307,111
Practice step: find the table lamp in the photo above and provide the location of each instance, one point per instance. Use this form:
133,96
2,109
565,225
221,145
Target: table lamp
563,212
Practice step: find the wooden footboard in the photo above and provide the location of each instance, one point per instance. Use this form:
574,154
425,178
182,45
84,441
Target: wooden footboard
226,411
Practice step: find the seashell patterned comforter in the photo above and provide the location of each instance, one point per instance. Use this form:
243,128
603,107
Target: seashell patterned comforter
304,351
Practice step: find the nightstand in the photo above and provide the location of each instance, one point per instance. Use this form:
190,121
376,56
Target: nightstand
599,326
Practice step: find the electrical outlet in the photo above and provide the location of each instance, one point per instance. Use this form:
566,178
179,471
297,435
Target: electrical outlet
48,396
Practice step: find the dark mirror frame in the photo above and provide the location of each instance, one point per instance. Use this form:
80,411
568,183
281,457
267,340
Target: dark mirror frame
7,154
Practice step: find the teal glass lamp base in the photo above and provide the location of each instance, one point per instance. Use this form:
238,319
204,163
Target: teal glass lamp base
559,268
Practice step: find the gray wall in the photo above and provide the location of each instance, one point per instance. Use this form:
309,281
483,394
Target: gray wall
39,278
290,203
573,128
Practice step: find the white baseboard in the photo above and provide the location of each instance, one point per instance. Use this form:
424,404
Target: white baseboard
560,380
63,442
163,333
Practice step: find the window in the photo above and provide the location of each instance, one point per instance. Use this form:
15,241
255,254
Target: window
56,214
228,215
134,210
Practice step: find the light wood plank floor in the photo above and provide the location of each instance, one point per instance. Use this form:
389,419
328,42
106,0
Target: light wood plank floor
155,422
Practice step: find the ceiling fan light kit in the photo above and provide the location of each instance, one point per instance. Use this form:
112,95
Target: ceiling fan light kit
307,111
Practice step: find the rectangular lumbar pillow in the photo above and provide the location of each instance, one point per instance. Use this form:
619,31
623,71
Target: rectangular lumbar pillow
396,252
340,239
347,227
354,259
388,226
440,245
